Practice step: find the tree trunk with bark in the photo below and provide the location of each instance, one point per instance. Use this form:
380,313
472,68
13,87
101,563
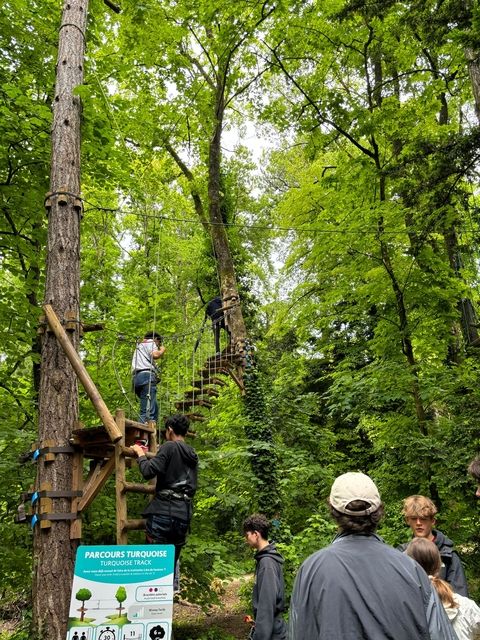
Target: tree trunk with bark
223,255
58,397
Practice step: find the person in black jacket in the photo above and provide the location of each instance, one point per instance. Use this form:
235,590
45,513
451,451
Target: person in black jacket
268,590
214,311
175,467
419,513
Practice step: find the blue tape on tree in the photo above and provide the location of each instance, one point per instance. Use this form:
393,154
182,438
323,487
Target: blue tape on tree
34,497
36,454
34,520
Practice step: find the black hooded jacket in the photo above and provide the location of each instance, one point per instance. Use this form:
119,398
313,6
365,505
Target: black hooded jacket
452,570
269,595
175,467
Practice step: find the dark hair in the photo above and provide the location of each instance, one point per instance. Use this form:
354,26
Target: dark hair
358,524
257,522
153,334
474,468
427,555
179,423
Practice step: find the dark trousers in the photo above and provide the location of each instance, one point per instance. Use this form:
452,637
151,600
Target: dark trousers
167,530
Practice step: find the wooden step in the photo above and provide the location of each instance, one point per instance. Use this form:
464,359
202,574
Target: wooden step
206,391
138,487
205,381
133,525
194,417
193,402
206,373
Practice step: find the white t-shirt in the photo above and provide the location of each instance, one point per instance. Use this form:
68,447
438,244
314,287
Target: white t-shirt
142,356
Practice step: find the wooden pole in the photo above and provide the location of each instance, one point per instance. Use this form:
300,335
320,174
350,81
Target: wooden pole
121,498
88,384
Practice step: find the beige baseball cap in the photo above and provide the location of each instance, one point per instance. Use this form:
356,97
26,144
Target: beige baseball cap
354,486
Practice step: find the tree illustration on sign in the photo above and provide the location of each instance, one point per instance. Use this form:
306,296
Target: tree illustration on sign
121,596
83,595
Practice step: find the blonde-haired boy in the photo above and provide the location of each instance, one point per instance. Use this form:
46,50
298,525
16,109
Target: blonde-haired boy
419,512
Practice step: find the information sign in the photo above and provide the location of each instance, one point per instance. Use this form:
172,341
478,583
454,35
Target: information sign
122,592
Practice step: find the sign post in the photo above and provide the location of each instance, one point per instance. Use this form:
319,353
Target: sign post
122,592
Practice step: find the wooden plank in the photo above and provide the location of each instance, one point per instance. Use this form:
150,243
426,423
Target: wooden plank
193,402
216,381
133,525
83,375
120,480
77,485
138,487
96,482
45,505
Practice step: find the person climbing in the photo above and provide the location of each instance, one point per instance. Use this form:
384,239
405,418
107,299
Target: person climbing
214,311
175,467
419,513
463,613
145,374
268,591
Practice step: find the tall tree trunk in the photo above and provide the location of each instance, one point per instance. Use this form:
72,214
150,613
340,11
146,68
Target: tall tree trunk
58,398
223,255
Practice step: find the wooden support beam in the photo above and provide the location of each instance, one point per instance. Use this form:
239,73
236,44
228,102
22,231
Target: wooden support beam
82,373
77,485
120,480
95,482
45,505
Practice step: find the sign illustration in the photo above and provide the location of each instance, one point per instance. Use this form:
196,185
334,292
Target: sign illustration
122,592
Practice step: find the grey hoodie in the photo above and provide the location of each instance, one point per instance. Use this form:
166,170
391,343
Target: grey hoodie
269,595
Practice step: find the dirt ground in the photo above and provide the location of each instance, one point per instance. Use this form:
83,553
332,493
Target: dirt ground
190,622
227,618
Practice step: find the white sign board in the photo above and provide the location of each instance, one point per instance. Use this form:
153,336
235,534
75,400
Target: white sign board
122,592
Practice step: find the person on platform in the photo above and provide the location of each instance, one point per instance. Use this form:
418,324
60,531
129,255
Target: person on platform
214,311
144,374
175,467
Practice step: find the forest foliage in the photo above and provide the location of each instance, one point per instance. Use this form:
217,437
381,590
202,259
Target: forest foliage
349,192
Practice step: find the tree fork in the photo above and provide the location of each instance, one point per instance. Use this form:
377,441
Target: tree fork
54,552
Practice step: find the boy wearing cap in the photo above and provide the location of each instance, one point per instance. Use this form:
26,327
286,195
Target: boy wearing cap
419,513
359,587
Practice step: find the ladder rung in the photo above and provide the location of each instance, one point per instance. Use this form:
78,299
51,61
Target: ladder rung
133,525
138,487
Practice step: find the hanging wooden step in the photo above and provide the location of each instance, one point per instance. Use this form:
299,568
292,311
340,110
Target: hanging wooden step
193,402
225,360
206,373
195,417
218,363
205,381
206,391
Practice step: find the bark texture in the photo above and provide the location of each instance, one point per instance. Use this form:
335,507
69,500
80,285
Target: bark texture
58,397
